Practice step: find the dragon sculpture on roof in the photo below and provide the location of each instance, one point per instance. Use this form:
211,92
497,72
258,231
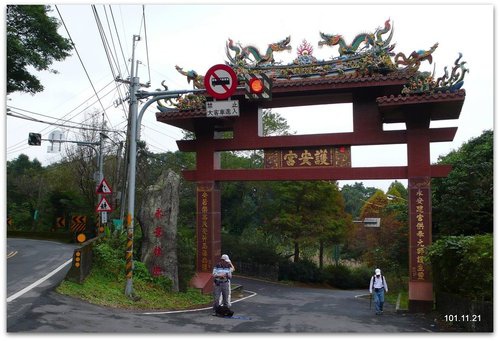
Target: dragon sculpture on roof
373,40
367,55
244,54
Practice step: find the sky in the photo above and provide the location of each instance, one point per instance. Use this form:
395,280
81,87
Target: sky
193,36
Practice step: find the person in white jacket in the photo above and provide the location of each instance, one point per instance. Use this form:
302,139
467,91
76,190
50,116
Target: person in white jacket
221,275
378,285
226,258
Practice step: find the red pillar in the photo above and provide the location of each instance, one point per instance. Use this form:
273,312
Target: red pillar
420,291
208,218
208,238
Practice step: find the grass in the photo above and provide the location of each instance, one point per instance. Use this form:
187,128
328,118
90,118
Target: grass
101,289
392,298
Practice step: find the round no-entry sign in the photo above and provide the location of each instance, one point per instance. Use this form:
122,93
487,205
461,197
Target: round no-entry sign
220,81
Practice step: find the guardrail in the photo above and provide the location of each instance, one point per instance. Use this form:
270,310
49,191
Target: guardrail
82,262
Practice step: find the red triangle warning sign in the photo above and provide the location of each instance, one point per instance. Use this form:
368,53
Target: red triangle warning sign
103,188
103,206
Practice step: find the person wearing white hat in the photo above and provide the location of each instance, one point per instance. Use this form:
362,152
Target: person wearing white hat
378,285
222,276
226,258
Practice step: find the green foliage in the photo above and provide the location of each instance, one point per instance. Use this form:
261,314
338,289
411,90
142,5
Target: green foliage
109,256
354,197
343,277
463,265
302,271
240,207
253,246
25,180
274,124
186,253
306,212
397,191
338,276
21,215
463,201
32,41
141,273
102,289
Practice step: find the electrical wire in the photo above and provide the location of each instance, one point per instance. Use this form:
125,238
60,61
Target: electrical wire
112,42
119,41
146,40
22,142
105,44
81,61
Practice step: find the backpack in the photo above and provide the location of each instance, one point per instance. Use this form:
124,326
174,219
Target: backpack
373,280
223,311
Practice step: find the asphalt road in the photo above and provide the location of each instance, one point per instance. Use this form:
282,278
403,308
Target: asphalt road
268,308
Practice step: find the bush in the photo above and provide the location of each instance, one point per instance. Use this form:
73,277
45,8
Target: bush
142,273
251,247
186,252
463,265
342,277
302,271
109,258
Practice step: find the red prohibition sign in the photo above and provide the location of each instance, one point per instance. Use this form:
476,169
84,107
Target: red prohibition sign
220,81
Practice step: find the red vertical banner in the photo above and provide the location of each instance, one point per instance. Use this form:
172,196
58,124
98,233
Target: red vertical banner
420,227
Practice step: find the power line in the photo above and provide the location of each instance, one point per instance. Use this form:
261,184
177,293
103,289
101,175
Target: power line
22,142
26,117
112,41
146,39
47,116
105,44
81,61
119,41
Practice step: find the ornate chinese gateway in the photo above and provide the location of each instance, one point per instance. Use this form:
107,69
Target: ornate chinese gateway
383,87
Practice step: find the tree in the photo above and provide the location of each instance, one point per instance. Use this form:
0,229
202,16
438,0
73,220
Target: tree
32,40
25,185
274,124
307,213
463,201
355,196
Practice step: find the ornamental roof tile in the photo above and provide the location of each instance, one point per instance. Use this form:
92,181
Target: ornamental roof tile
420,98
346,78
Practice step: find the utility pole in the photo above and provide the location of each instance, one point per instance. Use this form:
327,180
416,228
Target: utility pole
134,134
134,85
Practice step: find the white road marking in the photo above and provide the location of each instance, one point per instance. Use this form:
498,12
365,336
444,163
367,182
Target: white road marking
40,281
199,309
11,254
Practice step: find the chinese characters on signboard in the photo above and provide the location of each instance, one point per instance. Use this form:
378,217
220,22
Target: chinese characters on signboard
204,246
223,108
308,157
420,228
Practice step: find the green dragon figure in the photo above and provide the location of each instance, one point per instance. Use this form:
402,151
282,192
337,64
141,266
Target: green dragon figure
183,102
370,39
242,55
415,58
192,76
454,81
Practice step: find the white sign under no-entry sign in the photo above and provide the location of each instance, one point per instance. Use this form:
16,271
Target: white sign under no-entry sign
223,108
